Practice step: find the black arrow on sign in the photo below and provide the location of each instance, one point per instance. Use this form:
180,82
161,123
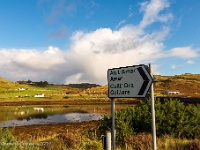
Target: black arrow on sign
145,78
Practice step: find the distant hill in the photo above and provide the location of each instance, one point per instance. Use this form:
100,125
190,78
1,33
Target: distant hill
2,80
188,85
5,84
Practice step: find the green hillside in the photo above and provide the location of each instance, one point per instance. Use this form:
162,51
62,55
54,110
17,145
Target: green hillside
188,85
13,90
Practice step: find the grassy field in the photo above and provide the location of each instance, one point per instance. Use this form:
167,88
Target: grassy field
187,84
83,135
13,91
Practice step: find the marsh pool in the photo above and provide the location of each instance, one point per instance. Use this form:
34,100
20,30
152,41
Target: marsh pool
11,116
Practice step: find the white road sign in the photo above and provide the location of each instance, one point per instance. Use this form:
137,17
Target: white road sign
129,82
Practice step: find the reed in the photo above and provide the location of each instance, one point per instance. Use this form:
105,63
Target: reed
87,139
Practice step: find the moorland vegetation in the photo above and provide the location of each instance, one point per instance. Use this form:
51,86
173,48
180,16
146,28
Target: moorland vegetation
177,123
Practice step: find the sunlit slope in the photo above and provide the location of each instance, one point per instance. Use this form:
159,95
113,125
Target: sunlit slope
12,90
187,84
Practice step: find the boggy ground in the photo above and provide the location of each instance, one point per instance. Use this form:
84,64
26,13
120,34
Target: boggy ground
48,131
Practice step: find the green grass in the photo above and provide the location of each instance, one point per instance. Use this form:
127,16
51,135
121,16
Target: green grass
10,91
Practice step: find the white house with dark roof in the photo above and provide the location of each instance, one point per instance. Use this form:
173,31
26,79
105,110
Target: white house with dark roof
172,92
39,95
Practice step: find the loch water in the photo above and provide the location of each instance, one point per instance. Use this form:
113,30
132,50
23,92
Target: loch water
12,116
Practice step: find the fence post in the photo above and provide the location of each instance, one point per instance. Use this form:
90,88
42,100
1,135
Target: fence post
106,141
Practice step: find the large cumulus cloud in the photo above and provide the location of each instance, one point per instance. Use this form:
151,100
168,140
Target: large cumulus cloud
91,53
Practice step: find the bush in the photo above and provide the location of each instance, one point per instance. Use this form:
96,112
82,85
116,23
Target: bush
7,140
172,118
177,119
123,125
91,145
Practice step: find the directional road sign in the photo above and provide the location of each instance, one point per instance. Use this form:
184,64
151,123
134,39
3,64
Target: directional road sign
129,82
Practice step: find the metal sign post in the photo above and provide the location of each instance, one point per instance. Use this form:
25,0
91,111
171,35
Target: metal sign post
153,115
113,123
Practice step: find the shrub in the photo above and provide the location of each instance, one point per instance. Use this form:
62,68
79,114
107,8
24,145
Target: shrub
91,145
7,140
177,119
172,118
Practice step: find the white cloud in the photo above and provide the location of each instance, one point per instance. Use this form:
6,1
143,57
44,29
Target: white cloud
97,51
87,60
152,12
173,67
120,23
23,64
92,53
183,52
74,78
190,62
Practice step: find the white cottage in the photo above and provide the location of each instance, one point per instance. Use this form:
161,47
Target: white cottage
39,95
172,92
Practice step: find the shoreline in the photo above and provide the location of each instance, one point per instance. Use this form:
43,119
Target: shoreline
68,102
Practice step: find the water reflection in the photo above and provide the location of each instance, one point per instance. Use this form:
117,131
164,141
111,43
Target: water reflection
38,109
52,119
34,116
28,115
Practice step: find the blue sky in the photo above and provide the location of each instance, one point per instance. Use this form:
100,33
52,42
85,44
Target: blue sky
74,41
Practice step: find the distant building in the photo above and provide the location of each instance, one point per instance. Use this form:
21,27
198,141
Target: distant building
172,92
21,89
39,95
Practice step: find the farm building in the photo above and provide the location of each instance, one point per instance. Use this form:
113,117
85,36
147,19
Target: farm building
172,92
39,95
